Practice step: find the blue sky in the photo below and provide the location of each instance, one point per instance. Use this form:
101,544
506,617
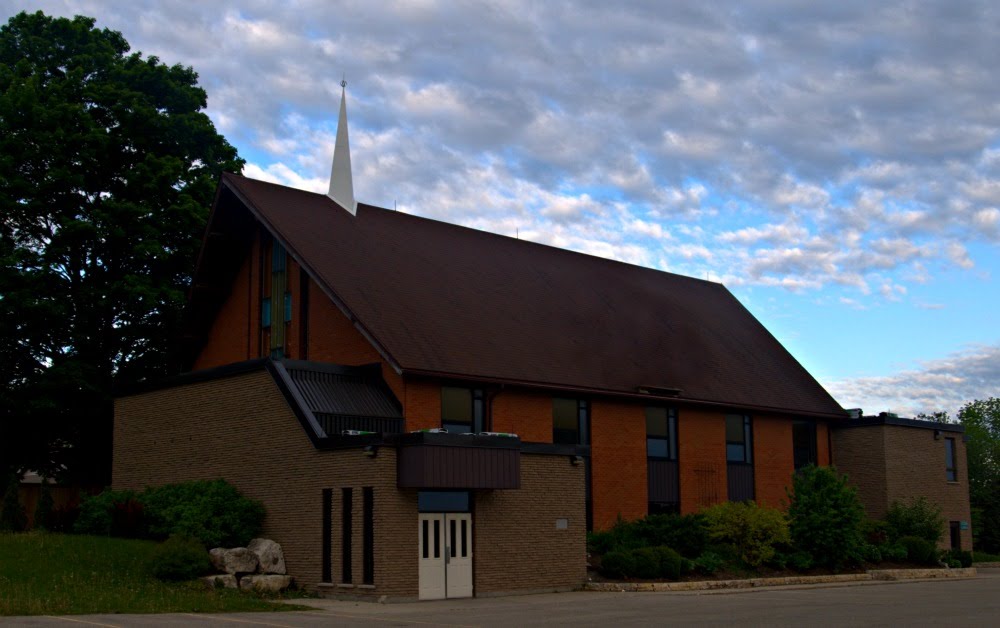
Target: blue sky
836,166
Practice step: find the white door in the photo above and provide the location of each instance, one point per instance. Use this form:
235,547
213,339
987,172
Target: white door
444,548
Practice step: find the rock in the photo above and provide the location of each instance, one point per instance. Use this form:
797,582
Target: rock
239,560
271,583
218,557
227,581
272,560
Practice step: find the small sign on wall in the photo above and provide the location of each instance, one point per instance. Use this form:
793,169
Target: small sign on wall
562,524
963,525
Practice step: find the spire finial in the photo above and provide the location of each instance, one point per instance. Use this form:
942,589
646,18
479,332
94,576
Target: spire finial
341,181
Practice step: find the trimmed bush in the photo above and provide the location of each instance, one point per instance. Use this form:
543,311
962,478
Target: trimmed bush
212,511
180,558
871,554
12,515
646,563
111,513
752,532
825,517
964,558
618,564
686,534
43,510
671,563
708,563
919,550
876,531
892,551
918,518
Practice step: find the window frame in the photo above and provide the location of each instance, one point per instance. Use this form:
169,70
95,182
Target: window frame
477,411
671,431
582,422
813,454
951,450
746,443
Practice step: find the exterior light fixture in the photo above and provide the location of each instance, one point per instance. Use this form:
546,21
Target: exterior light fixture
371,451
576,460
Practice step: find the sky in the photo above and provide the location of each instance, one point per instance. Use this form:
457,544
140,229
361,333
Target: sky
835,165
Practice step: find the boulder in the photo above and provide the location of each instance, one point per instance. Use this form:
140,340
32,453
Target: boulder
269,554
218,557
239,560
226,581
270,583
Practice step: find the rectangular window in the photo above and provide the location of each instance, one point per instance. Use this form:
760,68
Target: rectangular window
803,443
265,312
346,532
278,256
570,421
949,460
661,433
443,501
955,529
368,541
327,532
303,315
462,409
738,438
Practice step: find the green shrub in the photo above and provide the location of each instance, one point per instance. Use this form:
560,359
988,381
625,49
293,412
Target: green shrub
180,558
964,558
871,553
686,534
111,513
876,531
212,511
825,517
618,564
708,563
750,531
43,510
985,557
646,563
918,518
953,563
800,561
919,550
600,542
12,515
671,563
892,551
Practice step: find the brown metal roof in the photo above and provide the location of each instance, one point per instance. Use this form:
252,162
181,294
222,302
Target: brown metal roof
438,298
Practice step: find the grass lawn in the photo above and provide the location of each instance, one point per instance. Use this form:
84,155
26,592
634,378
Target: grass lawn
60,574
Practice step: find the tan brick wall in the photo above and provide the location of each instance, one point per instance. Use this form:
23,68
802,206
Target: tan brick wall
892,462
241,429
517,545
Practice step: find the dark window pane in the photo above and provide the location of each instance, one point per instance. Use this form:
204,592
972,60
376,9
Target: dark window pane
657,448
443,501
734,428
803,443
453,537
437,538
456,405
736,453
265,312
656,422
426,538
277,258
565,421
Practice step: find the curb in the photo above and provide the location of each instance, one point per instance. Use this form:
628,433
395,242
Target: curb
753,583
990,565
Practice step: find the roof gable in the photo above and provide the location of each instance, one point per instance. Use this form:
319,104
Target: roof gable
442,299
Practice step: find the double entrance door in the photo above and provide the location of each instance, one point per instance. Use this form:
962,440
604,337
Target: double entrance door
445,551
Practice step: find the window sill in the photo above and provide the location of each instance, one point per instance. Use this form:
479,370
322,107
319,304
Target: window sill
369,587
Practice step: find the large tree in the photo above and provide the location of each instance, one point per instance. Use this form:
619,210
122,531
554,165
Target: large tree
108,165
981,419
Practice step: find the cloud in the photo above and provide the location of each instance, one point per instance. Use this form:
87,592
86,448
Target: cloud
943,384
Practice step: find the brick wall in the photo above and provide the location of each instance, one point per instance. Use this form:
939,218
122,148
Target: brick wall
618,459
701,455
517,545
228,340
893,462
774,463
525,413
241,429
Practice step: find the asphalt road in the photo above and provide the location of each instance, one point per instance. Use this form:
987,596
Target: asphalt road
972,602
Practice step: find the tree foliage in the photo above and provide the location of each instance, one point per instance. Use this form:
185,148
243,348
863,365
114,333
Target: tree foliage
108,165
826,517
981,420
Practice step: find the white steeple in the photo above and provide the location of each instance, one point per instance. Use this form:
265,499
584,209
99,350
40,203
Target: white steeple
341,182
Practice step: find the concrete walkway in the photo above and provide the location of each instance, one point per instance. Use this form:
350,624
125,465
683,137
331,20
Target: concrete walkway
974,601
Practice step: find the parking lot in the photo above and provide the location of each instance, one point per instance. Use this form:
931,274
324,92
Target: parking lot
972,602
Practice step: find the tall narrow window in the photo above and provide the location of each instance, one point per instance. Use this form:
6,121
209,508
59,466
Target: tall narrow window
662,478
346,575
570,421
803,443
280,301
265,313
661,433
303,315
327,532
462,409
951,468
738,438
368,540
